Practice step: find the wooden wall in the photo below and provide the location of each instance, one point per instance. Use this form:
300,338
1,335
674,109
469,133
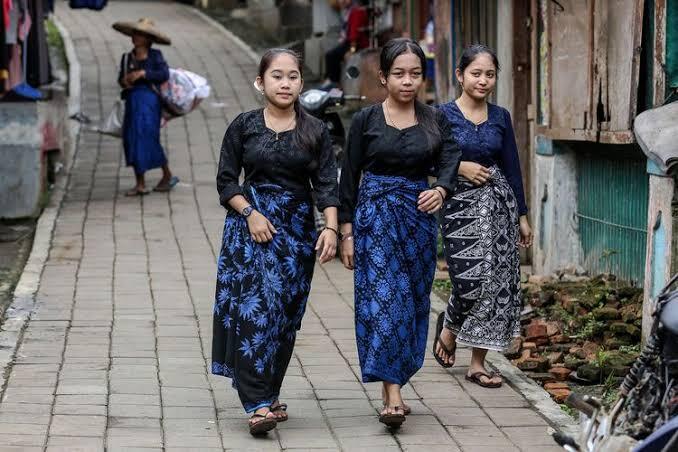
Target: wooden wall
588,74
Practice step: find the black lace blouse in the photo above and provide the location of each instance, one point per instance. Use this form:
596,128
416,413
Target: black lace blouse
376,147
250,145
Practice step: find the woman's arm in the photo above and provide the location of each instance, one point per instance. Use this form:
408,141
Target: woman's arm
230,165
449,156
348,186
324,181
156,70
351,169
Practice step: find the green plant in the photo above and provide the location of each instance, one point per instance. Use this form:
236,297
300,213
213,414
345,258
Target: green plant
570,411
630,349
602,356
610,390
590,327
442,284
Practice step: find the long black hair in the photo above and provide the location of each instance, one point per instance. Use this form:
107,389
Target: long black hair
306,134
425,114
471,52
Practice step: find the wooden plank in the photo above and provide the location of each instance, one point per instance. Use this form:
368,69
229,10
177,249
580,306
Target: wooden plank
569,30
607,137
658,73
658,250
623,42
521,86
444,65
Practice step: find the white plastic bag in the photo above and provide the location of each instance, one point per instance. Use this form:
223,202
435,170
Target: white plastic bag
112,125
183,92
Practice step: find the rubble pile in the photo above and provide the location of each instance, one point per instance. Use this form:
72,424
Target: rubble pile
577,329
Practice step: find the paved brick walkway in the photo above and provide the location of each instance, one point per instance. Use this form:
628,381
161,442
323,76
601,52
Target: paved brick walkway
116,355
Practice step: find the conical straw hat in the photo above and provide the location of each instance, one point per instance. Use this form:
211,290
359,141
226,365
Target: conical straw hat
145,26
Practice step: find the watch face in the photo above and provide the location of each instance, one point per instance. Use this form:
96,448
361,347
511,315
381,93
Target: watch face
247,211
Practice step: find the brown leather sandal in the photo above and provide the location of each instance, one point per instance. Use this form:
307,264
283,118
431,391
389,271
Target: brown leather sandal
259,427
392,420
476,378
279,410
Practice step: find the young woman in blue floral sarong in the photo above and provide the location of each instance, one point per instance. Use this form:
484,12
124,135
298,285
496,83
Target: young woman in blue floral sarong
269,240
387,225
484,222
141,70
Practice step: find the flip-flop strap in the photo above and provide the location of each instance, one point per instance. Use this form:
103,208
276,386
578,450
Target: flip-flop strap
445,349
490,376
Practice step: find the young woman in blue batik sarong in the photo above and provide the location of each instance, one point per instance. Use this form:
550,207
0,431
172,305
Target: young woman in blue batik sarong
140,70
484,222
387,225
269,241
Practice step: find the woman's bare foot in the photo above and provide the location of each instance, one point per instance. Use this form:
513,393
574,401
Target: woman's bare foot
279,410
262,421
447,347
384,396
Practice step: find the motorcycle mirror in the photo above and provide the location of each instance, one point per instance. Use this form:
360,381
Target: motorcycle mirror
352,72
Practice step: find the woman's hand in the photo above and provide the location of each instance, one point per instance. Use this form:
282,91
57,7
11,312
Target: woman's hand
327,242
134,76
477,174
525,233
346,246
430,201
260,228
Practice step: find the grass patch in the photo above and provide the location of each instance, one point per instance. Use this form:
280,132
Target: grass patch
572,412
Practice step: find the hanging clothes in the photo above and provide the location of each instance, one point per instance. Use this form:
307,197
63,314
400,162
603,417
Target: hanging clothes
38,68
4,53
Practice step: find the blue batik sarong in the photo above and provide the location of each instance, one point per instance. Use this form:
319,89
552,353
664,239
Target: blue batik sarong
141,129
395,257
261,294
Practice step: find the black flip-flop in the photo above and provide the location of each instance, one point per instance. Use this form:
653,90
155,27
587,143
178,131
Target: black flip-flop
475,378
136,192
440,324
167,186
392,420
263,426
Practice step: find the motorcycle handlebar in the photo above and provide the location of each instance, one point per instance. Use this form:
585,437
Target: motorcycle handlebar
578,402
354,97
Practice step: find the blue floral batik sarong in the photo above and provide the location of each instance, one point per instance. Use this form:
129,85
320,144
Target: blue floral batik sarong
395,257
261,294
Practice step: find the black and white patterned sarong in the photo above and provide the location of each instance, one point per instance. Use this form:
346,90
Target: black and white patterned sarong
480,231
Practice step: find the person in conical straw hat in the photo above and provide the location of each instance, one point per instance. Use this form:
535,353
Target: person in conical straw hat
141,71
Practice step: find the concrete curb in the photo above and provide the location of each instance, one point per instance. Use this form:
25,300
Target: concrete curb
19,312
528,388
239,42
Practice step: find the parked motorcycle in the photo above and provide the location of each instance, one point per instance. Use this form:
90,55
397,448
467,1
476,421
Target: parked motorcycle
326,105
645,416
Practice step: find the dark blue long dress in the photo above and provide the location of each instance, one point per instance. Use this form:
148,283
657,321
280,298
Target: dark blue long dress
395,243
143,109
262,288
480,231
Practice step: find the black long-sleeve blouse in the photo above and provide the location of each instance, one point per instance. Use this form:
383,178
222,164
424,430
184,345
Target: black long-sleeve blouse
156,68
249,144
376,147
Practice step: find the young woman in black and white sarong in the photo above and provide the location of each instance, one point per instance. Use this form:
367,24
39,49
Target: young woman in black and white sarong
484,221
